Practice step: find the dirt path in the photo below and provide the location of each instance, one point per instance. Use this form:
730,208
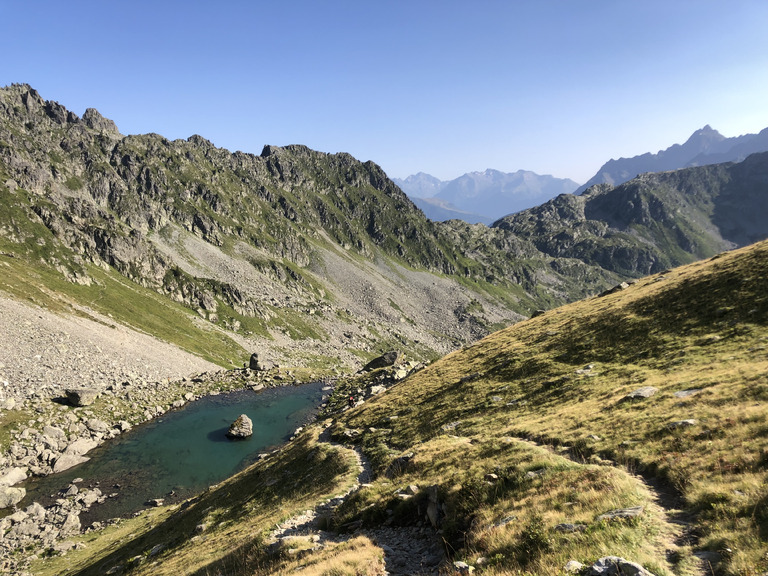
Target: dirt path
666,503
410,550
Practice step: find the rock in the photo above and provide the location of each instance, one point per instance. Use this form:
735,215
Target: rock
96,425
81,396
96,121
616,566
13,476
681,424
463,567
157,502
622,514
573,566
253,364
617,288
71,524
67,461
10,496
80,447
241,428
644,392
687,393
383,361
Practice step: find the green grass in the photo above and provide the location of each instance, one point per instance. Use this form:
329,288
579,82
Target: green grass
123,300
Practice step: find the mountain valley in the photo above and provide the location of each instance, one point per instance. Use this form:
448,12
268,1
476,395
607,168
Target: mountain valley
582,379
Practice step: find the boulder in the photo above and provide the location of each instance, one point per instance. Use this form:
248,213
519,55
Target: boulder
253,364
12,476
644,392
383,361
67,461
80,447
617,566
241,428
81,396
10,496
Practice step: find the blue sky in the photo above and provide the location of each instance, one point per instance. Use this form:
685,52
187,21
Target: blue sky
554,86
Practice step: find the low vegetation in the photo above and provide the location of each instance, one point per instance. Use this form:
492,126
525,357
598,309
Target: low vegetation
521,447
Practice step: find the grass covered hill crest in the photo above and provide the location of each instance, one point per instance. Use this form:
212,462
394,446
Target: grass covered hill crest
630,425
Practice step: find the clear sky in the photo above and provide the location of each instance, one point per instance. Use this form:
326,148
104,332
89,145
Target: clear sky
554,86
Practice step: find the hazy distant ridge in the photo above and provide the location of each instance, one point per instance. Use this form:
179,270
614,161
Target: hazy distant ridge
486,196
705,146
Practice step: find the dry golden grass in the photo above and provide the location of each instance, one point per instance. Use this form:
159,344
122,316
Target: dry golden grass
541,406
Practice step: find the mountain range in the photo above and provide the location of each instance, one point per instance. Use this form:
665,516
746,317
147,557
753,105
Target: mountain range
482,196
490,195
705,146
563,395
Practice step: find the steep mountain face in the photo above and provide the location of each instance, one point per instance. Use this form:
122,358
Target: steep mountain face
318,258
289,245
486,196
655,220
705,146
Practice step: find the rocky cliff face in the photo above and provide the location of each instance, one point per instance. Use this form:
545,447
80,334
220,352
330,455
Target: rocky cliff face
310,245
655,220
296,250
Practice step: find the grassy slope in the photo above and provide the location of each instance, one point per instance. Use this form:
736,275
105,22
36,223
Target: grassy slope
703,326
521,401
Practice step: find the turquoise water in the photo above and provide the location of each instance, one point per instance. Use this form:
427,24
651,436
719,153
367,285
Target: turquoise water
184,451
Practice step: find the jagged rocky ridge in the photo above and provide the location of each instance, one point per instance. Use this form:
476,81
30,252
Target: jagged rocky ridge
295,233
655,220
292,231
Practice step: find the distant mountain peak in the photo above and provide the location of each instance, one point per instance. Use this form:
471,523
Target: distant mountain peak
705,146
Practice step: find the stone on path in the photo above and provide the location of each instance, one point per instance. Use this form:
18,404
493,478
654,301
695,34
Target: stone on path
617,566
241,428
622,513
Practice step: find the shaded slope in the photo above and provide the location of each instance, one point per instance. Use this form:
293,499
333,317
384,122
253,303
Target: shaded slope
655,220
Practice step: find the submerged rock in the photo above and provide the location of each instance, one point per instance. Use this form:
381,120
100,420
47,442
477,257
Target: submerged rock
241,428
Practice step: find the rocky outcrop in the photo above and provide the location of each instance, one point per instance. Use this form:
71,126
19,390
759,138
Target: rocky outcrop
81,396
387,359
241,428
617,566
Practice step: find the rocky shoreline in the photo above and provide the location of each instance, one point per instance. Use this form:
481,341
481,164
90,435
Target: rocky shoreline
57,435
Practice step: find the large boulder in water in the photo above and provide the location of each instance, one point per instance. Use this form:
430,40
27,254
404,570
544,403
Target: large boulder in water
241,428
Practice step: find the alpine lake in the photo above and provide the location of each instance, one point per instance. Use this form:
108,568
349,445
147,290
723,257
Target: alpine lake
183,452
